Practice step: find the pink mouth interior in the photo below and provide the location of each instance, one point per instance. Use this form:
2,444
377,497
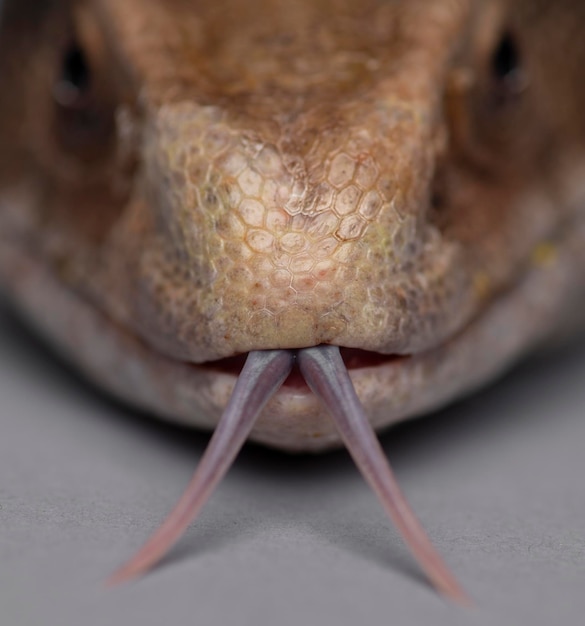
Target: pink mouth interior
354,359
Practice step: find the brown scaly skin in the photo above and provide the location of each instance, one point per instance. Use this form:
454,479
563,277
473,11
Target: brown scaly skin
243,176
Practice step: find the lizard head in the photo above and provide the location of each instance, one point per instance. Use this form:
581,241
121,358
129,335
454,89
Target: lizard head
399,179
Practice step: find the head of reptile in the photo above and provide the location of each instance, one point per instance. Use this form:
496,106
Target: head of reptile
186,182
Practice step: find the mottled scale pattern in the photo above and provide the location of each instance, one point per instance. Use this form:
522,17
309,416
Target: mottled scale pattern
298,247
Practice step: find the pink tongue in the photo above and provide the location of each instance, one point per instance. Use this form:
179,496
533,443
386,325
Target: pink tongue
263,374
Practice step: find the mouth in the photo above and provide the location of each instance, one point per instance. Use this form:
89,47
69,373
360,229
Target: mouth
353,358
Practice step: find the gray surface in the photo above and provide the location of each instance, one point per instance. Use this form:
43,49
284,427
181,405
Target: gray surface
497,481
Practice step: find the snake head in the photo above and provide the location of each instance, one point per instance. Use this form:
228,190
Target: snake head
399,179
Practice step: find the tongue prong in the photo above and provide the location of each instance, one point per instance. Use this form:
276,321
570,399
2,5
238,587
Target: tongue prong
262,375
325,373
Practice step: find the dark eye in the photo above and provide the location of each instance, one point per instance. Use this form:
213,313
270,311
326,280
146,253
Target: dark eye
74,80
75,68
84,109
506,66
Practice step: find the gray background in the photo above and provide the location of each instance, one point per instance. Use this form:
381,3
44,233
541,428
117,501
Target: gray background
497,481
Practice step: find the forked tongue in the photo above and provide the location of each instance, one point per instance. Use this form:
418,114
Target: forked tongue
263,374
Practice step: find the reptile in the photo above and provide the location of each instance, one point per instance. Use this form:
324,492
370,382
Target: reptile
293,222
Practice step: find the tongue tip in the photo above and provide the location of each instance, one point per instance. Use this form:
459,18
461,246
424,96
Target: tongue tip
261,377
326,374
